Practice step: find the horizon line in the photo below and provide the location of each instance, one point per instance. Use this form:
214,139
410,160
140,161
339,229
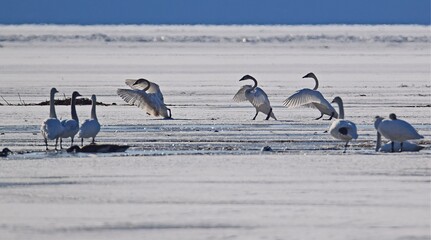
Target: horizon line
212,24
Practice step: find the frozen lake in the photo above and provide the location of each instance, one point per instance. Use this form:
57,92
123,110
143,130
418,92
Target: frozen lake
202,175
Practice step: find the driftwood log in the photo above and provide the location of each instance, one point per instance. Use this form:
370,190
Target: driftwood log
66,101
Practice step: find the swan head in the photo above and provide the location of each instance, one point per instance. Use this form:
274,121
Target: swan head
93,98
54,90
337,100
392,116
142,81
343,131
247,77
377,121
76,94
310,75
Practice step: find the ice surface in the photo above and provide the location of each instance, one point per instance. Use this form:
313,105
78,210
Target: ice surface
202,175
216,197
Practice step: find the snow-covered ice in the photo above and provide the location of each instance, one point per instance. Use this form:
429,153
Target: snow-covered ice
202,175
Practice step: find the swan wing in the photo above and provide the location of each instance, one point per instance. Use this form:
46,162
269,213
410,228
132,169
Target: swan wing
240,95
408,130
89,128
71,127
150,102
51,128
258,97
154,88
305,97
326,108
343,129
352,130
398,130
310,98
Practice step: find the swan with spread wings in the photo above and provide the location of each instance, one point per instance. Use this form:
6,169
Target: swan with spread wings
256,96
146,95
311,98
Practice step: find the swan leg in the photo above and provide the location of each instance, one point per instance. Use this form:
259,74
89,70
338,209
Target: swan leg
56,143
82,142
257,112
401,146
71,144
61,143
319,117
46,143
392,146
345,146
269,114
92,142
332,115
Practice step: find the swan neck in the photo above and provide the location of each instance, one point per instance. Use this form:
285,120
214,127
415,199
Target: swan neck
73,109
93,110
52,113
341,109
255,82
377,123
148,85
316,86
378,141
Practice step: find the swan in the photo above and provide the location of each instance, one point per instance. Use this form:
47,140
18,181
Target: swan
344,130
5,152
256,96
71,126
396,130
98,148
311,98
51,127
146,95
90,127
407,146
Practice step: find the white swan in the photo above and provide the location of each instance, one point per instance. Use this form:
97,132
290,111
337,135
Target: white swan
407,146
90,127
146,95
256,96
396,130
311,98
51,127
342,129
71,126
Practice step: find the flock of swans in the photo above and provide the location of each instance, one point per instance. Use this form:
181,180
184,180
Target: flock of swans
144,94
54,129
147,95
397,131
340,129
